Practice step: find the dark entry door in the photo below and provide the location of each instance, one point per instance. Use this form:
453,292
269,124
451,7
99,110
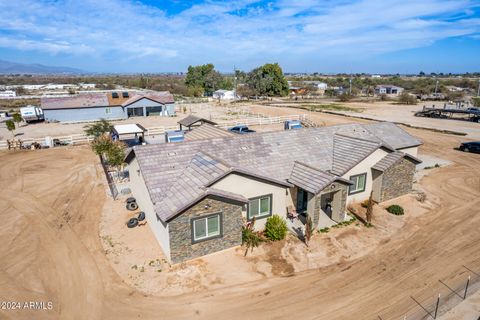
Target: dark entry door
302,200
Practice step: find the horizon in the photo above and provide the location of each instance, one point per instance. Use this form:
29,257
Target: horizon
132,37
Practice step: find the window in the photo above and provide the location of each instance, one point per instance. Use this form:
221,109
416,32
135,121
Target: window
358,183
260,207
206,227
108,111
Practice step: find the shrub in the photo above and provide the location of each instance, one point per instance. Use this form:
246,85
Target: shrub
395,209
406,98
365,203
250,238
275,228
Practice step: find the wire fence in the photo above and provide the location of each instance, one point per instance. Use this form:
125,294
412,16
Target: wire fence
433,302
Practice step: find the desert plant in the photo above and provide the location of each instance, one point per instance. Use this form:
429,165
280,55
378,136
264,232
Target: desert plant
275,228
250,238
308,230
365,203
324,230
395,209
10,126
407,98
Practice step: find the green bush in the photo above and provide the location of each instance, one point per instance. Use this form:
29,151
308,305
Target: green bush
250,238
395,209
275,228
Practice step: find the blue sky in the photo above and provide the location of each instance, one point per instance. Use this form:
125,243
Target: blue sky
388,36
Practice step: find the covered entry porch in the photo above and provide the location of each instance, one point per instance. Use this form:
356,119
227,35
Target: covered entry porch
318,195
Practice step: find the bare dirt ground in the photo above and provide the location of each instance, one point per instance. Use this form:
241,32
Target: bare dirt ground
139,261
210,111
51,207
388,111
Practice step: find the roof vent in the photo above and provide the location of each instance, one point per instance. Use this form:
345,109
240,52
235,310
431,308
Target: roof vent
244,147
170,154
114,95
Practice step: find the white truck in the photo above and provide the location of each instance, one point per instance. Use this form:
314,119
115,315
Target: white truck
31,113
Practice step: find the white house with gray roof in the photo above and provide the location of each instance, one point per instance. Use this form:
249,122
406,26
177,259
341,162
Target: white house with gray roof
197,194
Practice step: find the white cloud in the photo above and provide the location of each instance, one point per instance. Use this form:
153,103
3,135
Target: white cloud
228,32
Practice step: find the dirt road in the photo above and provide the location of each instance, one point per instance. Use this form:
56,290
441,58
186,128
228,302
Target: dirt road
50,207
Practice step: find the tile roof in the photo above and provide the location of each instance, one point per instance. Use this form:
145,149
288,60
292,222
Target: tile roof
207,131
311,179
176,173
392,158
191,119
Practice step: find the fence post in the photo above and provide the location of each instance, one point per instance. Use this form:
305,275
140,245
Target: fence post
466,288
436,307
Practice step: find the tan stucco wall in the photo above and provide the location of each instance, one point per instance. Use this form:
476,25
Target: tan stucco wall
413,151
364,167
140,192
251,188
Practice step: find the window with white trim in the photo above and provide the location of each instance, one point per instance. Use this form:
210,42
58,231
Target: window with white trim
208,227
260,207
359,182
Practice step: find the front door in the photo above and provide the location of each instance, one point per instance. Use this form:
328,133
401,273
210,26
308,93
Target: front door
302,200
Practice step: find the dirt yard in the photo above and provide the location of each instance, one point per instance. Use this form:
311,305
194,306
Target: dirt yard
51,212
386,111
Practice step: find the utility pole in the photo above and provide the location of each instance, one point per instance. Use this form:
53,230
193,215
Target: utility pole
350,80
478,90
234,83
436,87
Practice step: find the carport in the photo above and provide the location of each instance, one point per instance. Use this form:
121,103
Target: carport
131,134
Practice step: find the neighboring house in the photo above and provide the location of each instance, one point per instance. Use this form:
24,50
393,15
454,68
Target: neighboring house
197,194
7,94
192,121
110,106
224,95
388,90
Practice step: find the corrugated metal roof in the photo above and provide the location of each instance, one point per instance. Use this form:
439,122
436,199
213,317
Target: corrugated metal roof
90,100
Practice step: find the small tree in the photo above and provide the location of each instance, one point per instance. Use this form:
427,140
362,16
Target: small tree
11,127
17,118
407,98
345,97
98,128
308,230
275,228
115,154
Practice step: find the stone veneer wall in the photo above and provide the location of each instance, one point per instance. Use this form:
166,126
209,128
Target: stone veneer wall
340,198
397,180
180,230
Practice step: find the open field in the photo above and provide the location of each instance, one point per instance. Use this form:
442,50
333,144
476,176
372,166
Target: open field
383,111
51,208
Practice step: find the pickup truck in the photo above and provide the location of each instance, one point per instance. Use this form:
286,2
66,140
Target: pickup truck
241,130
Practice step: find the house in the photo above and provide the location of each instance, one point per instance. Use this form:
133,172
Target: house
388,90
192,121
110,106
224,95
197,194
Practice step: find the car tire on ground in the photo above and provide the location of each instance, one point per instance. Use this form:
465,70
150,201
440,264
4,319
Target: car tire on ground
131,199
141,216
132,206
132,223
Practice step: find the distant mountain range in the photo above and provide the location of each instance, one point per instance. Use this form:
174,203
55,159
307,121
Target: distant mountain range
8,67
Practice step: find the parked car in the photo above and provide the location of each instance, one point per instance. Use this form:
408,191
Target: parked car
470,147
241,129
